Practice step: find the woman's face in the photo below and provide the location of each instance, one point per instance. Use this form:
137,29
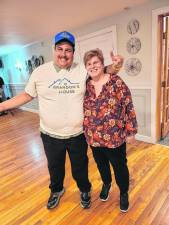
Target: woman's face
94,67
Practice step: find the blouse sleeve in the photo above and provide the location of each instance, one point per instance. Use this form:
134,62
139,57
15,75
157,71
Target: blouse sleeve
130,115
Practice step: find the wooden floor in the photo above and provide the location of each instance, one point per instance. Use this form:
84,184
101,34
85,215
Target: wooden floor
24,183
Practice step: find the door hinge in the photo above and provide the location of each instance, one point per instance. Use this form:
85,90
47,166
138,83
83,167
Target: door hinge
164,35
163,83
162,128
162,125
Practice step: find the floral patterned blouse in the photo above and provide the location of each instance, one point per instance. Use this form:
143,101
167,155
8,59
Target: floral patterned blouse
110,117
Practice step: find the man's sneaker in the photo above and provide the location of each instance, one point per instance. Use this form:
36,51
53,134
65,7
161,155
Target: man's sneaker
85,199
104,194
54,199
124,202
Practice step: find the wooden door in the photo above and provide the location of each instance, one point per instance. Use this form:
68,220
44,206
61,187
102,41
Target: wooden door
165,80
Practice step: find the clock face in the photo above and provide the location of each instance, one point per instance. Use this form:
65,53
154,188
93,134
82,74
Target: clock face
133,45
133,26
133,66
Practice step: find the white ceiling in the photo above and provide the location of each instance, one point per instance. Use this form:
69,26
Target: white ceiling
26,21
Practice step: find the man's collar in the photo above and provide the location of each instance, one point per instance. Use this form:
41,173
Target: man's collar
58,69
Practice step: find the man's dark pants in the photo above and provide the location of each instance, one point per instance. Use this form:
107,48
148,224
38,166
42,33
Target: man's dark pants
55,150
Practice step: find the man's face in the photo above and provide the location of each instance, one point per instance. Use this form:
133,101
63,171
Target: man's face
63,55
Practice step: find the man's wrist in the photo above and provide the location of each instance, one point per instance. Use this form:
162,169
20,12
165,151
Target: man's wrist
2,108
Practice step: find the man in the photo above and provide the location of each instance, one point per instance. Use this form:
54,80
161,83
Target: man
60,87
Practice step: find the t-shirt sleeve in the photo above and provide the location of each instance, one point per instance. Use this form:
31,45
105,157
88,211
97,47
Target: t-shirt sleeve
31,86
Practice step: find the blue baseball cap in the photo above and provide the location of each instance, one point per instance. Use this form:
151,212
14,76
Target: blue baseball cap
65,36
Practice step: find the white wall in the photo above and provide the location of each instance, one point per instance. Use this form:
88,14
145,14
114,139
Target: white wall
144,15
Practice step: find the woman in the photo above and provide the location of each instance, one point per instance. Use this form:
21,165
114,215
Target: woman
109,122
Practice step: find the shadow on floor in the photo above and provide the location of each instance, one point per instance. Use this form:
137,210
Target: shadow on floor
165,141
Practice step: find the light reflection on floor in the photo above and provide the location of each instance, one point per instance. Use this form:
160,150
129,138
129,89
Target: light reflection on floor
36,150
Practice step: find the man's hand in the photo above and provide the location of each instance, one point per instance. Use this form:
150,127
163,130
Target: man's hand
117,59
117,63
131,140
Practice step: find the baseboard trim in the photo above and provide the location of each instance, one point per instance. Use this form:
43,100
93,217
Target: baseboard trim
144,138
30,110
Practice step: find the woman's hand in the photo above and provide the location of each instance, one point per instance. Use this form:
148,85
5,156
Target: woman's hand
131,140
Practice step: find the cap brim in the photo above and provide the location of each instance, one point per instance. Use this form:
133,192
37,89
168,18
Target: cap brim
65,40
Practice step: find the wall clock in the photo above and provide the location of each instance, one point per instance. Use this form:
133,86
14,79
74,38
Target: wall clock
133,66
133,45
133,26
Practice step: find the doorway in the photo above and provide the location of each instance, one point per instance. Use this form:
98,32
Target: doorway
163,69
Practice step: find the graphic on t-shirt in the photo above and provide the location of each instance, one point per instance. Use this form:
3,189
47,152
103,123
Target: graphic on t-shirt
64,86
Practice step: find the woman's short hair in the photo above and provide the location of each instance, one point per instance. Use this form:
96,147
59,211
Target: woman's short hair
90,54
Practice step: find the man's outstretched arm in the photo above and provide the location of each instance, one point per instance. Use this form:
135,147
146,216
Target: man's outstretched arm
16,101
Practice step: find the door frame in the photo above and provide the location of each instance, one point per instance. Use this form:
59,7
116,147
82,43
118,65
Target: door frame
155,75
163,70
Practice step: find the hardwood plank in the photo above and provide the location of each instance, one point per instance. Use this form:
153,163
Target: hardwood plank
24,182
